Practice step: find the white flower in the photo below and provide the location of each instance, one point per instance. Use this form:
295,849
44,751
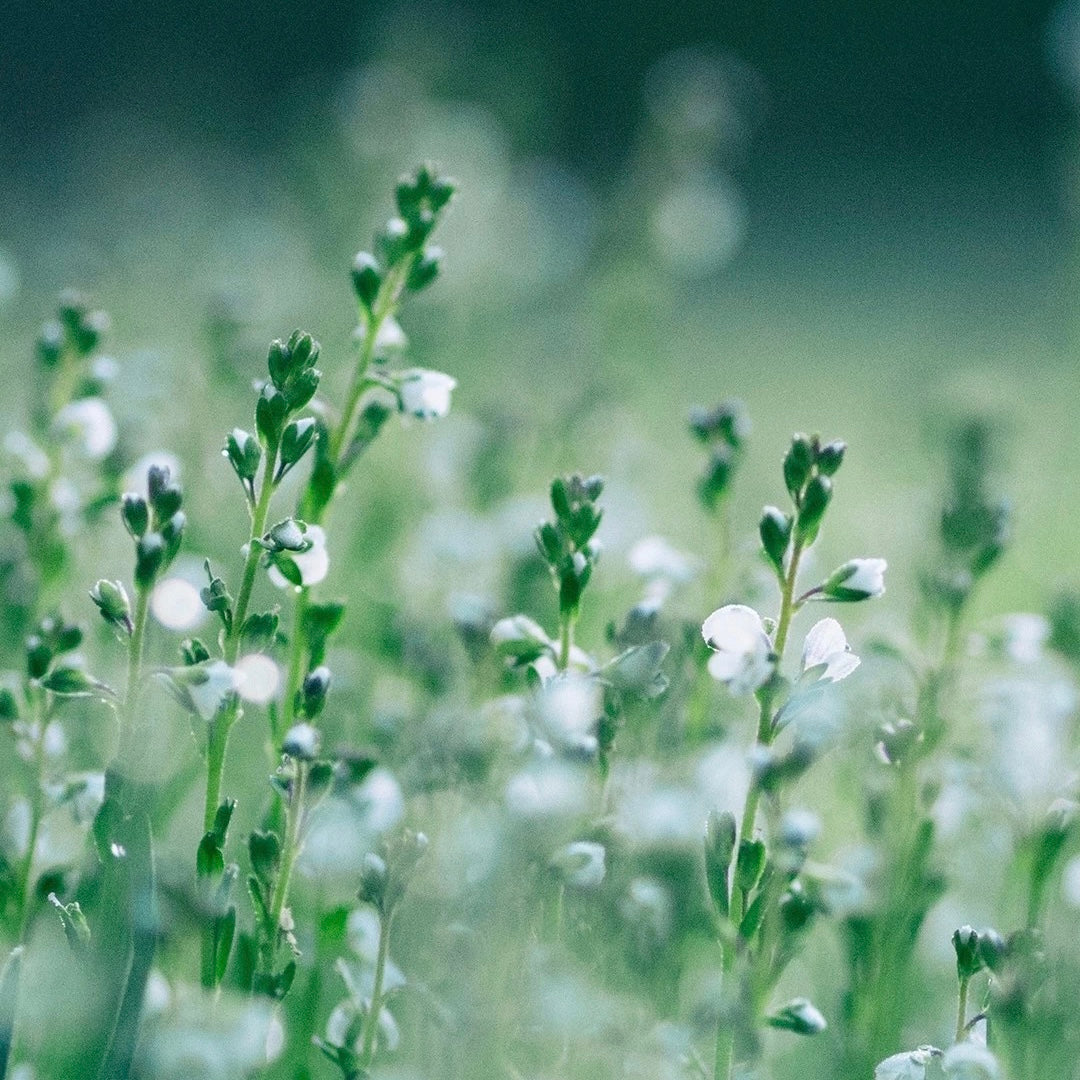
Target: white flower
425,394
743,656
390,336
859,579
90,421
654,557
827,647
581,863
313,564
217,682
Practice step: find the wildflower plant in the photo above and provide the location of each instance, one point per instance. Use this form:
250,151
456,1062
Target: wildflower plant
292,834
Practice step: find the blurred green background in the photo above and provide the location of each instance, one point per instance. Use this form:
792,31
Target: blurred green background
857,217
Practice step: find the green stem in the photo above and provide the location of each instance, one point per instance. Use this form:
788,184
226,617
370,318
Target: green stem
221,724
372,1025
566,641
385,304
251,564
961,1009
294,820
295,670
725,1061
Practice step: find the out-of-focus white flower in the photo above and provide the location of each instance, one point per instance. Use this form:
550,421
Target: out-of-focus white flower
90,422
826,645
970,1061
313,564
257,678
176,604
859,579
218,682
582,863
390,338
1023,637
33,458
654,557
425,394
742,652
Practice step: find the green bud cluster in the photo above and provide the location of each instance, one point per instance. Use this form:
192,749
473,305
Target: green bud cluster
723,429
567,544
156,524
51,639
402,250
974,525
77,331
386,875
808,470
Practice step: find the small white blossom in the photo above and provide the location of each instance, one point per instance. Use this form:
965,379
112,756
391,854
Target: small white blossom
826,645
390,337
313,564
582,864
425,394
655,557
90,422
208,694
32,457
743,655
859,579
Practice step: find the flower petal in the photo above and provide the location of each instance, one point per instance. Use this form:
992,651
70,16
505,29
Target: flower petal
826,638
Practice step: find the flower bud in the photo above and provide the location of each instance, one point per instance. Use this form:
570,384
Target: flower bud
858,579
296,439
135,514
112,601
750,864
366,279
830,457
798,462
244,453
150,553
392,244
372,879
301,742
966,944
425,270
775,532
314,690
815,502
287,535
798,1016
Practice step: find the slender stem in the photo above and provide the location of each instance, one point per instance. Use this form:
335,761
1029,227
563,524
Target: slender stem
725,1060
566,641
294,820
220,725
295,669
136,649
384,306
375,1009
961,1009
251,564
